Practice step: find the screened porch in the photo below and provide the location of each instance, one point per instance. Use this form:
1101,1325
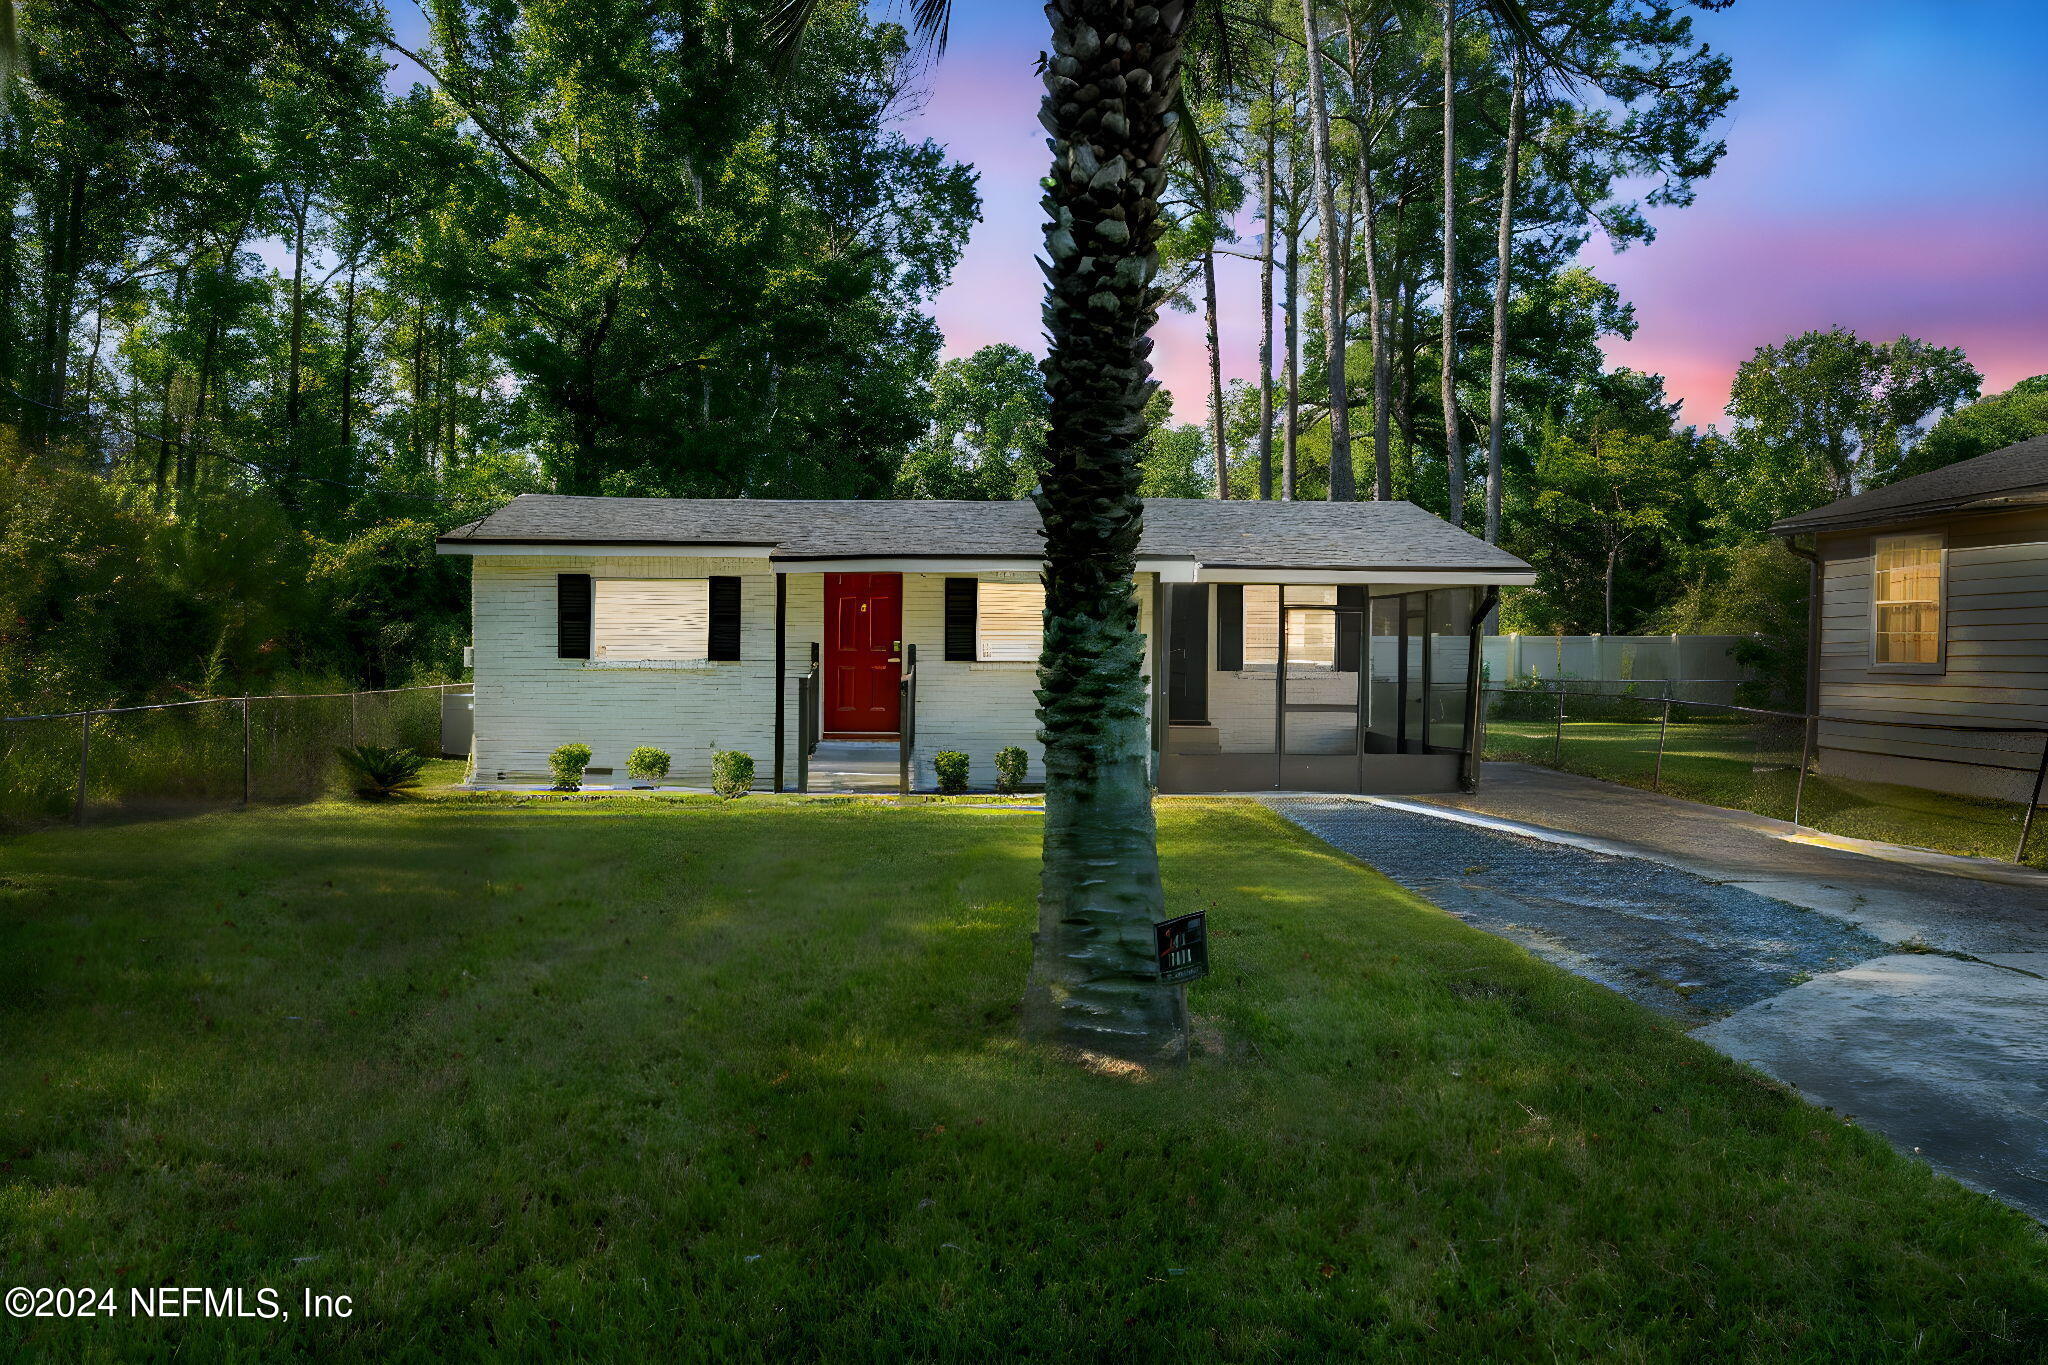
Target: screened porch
1306,687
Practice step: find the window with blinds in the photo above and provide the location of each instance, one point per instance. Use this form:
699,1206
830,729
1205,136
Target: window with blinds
650,618
1906,602
1311,635
1009,622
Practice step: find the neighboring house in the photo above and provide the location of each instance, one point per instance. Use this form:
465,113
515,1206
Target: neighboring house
1932,609
686,624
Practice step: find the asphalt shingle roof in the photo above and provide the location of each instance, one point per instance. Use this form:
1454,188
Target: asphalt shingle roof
2016,469
1279,535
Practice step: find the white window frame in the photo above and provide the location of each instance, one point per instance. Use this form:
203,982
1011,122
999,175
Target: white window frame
682,634
1011,649
1938,542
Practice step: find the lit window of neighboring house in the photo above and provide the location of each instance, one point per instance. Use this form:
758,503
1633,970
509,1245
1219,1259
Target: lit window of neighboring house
1009,622
1906,602
650,618
1311,635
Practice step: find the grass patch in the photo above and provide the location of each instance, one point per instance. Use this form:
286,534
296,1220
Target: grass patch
1744,767
638,1078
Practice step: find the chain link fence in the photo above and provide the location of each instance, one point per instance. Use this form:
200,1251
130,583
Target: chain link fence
183,757
1779,764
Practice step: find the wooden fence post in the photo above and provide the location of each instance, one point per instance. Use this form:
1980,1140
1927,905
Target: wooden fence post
1663,728
1557,747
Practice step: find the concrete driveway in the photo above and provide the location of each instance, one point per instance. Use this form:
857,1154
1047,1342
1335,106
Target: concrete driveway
1910,995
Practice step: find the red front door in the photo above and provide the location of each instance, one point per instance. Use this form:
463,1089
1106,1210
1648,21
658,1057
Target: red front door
863,653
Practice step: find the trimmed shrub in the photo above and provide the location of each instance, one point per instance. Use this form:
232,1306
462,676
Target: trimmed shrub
567,764
1011,764
647,764
732,773
376,773
951,767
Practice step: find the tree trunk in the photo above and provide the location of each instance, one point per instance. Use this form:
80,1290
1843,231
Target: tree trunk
1094,981
1454,456
298,342
1215,377
348,380
1291,431
1330,236
1496,405
1607,627
1266,297
1382,436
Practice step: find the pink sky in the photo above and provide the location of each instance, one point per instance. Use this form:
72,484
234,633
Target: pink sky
1890,179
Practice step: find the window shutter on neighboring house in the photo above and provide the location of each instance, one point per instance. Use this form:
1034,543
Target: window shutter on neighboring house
1229,627
572,616
962,597
1350,629
725,619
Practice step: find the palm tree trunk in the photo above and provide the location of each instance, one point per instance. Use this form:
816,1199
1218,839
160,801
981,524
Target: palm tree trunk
1454,456
1266,299
1215,377
1496,406
1330,235
1094,983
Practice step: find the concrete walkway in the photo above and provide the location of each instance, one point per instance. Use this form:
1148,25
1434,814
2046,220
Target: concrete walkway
1782,954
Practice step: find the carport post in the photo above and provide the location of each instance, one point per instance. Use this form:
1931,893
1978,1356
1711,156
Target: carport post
1663,727
1557,748
2033,802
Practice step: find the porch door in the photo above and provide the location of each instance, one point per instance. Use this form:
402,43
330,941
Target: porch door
863,654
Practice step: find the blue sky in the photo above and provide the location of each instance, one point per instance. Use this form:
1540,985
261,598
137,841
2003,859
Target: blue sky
1887,170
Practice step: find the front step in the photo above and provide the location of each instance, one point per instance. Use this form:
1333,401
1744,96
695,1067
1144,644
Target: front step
1193,739
855,765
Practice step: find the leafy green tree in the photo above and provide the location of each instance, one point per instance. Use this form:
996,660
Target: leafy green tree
987,438
2003,419
1759,590
1606,498
1827,413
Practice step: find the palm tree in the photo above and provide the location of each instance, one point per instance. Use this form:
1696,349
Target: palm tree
1114,112
1112,107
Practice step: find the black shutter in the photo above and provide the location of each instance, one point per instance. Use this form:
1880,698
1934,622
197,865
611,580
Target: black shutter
1229,627
1350,629
725,619
963,601
572,615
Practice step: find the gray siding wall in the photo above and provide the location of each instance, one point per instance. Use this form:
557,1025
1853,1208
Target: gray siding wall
1996,663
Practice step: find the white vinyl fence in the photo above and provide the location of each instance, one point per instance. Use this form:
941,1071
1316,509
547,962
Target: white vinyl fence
1688,667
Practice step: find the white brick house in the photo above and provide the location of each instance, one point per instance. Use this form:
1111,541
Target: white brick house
693,625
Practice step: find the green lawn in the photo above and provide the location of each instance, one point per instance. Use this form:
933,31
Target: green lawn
633,1079
1753,768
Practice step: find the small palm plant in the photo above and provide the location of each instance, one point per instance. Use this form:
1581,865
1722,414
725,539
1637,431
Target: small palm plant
377,774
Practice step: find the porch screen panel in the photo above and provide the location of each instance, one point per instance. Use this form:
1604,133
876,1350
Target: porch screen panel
1449,617
1010,622
1321,699
1383,707
650,619
1243,690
